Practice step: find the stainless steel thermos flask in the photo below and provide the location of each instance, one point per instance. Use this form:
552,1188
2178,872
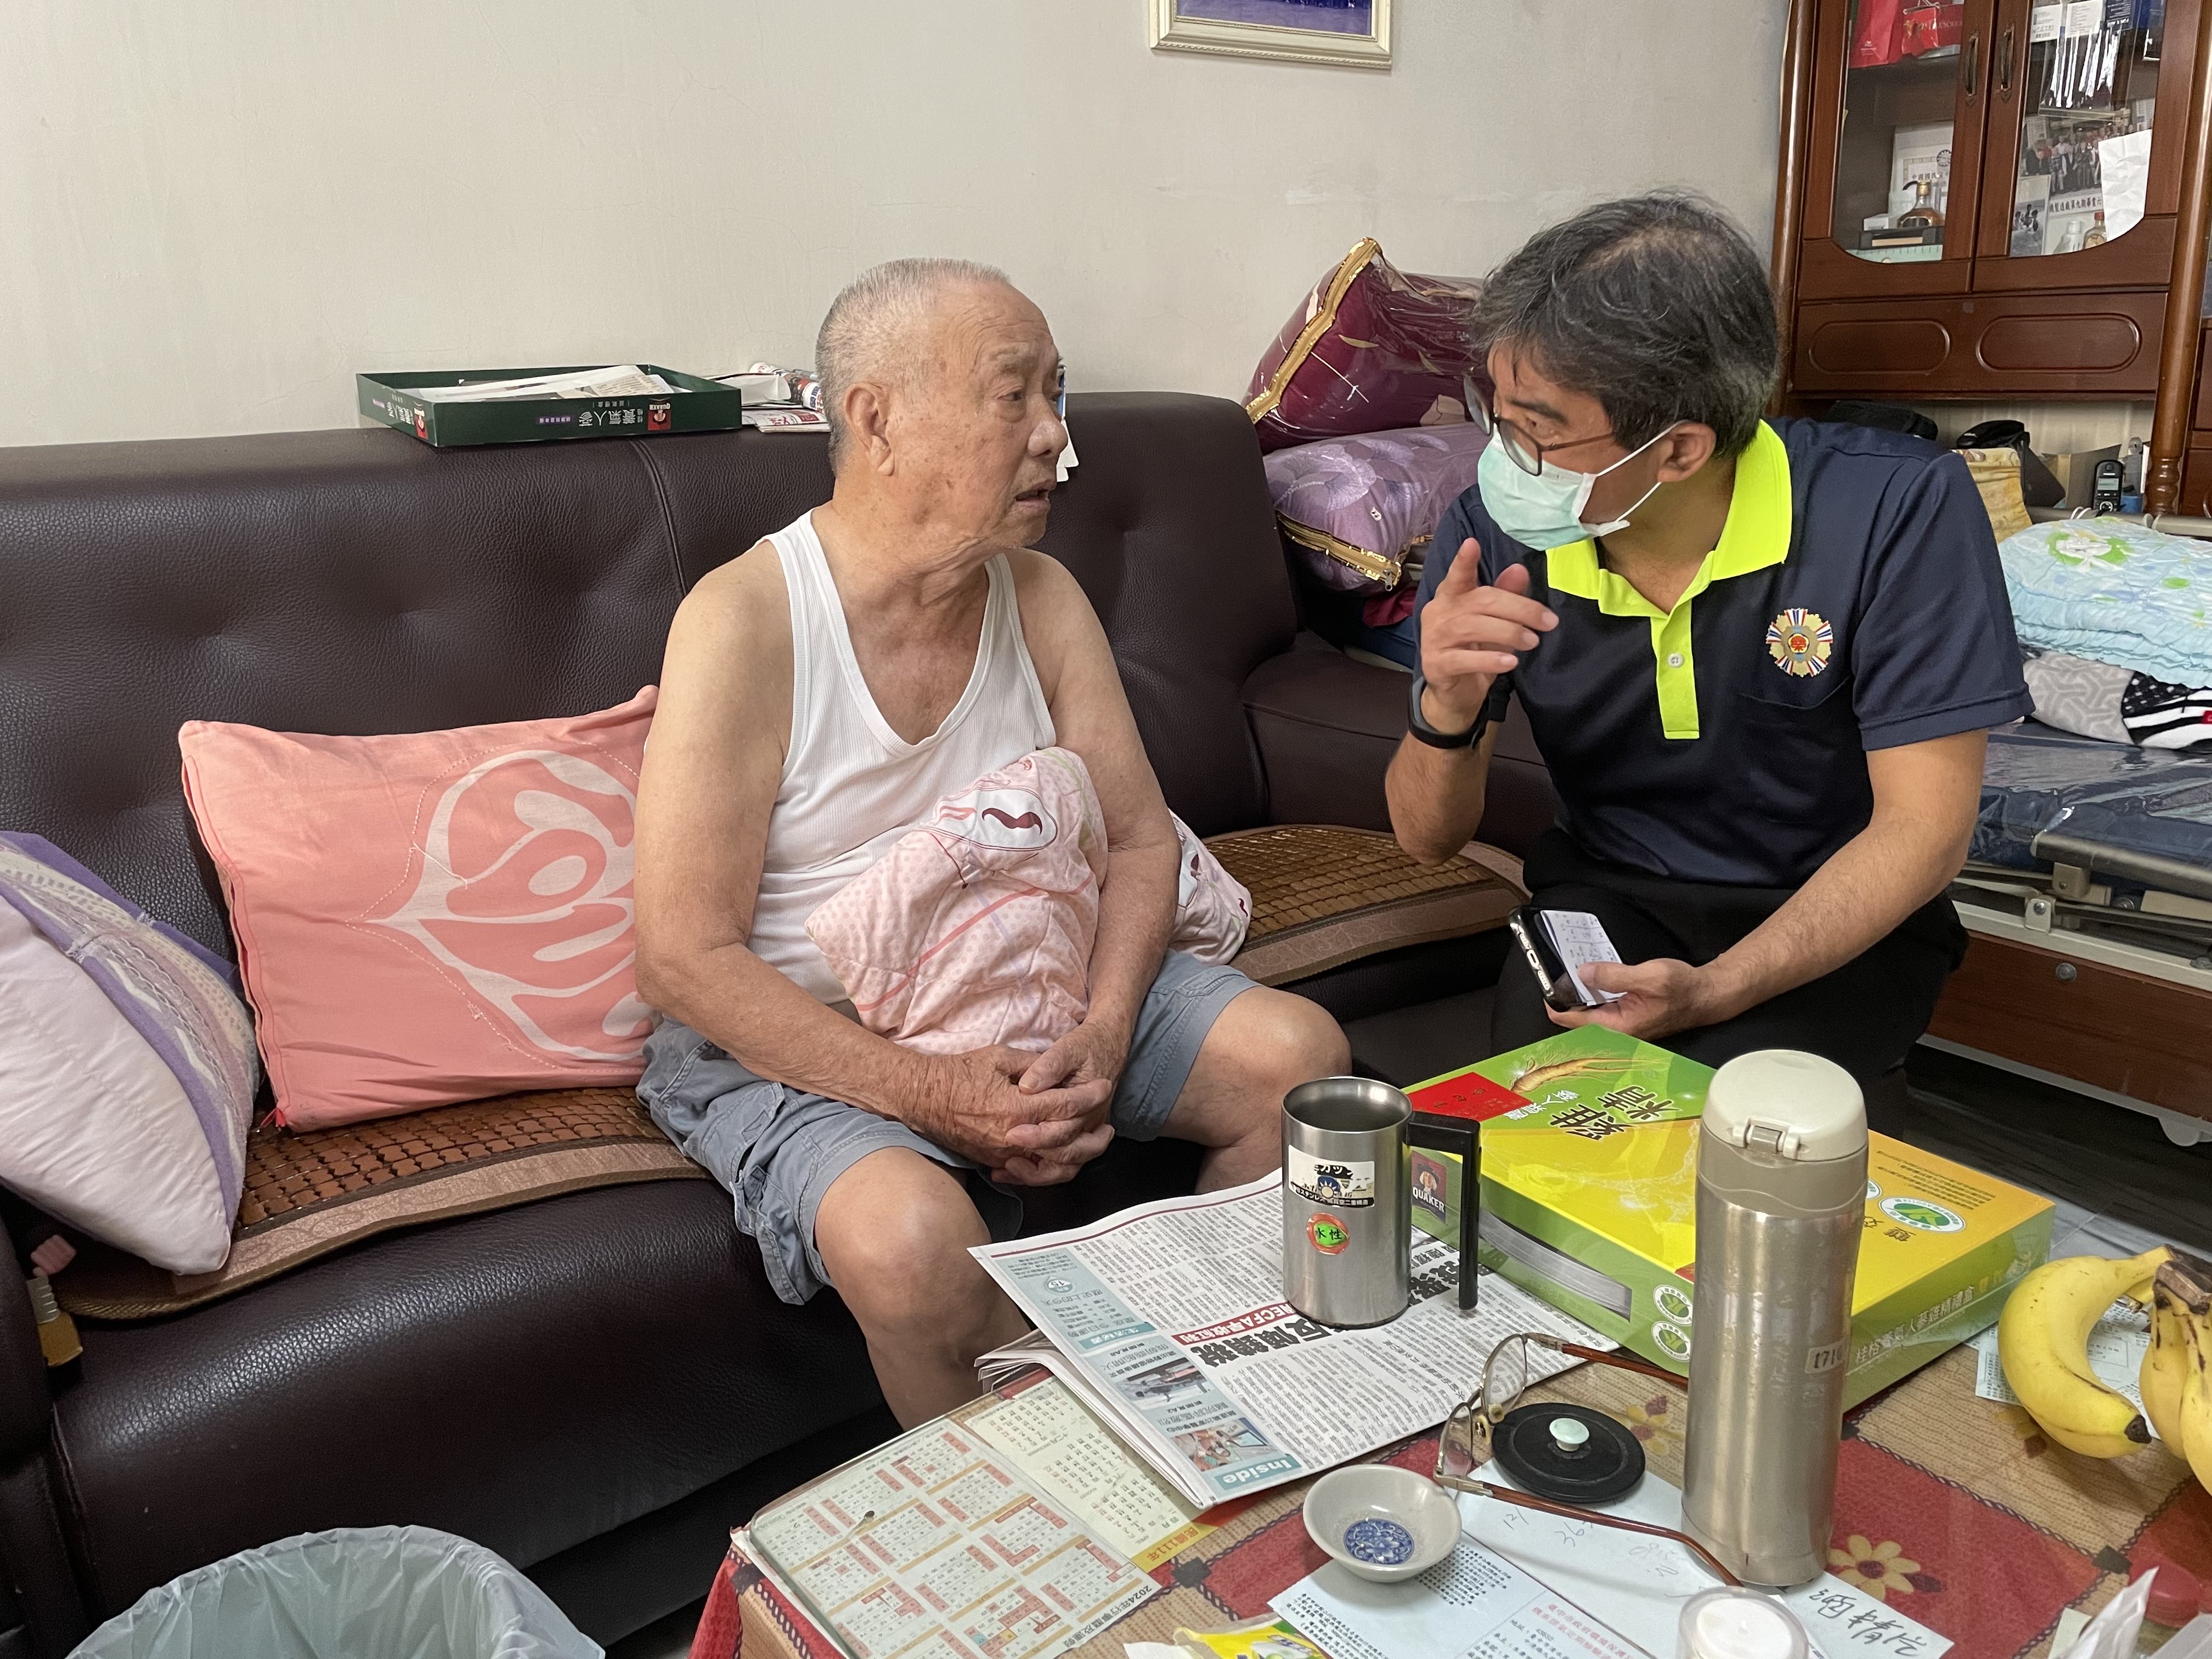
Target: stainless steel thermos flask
1781,1170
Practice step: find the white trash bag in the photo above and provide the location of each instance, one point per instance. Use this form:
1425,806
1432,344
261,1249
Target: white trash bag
357,1592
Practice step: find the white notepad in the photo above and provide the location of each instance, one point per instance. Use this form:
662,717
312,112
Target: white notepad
1580,937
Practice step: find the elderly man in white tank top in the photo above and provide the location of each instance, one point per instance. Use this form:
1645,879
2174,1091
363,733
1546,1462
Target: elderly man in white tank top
820,694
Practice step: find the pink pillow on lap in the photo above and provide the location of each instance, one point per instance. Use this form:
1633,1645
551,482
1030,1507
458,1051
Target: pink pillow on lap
430,917
976,929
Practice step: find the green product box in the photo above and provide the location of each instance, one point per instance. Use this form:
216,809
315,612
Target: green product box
1589,1201
698,405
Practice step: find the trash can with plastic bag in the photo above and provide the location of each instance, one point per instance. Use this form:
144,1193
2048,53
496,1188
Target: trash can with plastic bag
357,1592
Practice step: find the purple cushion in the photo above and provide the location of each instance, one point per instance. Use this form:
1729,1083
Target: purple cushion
69,1143
1355,507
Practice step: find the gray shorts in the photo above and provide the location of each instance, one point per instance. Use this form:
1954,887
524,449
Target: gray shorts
777,1149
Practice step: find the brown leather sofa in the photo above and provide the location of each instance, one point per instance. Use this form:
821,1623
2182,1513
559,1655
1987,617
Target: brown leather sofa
597,1385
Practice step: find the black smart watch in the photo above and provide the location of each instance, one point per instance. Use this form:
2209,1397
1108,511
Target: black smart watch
1436,740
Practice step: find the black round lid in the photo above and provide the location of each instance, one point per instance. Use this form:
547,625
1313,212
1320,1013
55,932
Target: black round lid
1569,1454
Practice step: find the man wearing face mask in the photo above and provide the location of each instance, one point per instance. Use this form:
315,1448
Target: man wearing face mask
1759,657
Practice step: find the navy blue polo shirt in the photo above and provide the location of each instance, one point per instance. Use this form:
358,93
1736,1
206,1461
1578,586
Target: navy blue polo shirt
1854,602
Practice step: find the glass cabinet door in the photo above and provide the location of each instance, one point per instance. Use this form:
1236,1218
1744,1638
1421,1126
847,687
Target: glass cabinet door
1910,66
2079,170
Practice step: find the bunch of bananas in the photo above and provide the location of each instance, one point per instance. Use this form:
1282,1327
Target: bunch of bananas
2177,1370
2044,1336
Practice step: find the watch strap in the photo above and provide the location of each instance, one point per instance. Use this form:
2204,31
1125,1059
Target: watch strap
1436,740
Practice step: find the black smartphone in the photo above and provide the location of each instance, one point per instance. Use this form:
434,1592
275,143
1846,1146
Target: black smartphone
1527,926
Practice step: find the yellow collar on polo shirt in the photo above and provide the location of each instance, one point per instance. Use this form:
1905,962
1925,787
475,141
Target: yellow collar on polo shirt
1755,537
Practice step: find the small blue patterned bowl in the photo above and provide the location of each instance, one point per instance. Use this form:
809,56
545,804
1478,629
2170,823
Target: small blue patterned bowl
1381,1523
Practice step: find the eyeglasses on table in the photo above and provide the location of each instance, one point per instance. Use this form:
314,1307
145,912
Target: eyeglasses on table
1464,1445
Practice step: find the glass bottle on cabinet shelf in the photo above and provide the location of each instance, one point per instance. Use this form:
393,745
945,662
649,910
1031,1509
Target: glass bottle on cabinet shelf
2089,91
1893,154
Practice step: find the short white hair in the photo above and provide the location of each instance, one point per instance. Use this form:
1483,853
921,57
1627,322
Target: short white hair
869,325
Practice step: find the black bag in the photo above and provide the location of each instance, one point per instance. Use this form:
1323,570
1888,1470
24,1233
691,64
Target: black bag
1889,417
2038,486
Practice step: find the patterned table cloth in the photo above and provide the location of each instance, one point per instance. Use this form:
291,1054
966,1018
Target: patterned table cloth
1949,1508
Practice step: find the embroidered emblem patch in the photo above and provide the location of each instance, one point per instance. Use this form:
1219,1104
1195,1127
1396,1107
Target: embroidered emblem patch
1799,641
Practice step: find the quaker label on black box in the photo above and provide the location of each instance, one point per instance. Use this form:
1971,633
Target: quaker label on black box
1428,1184
1347,1183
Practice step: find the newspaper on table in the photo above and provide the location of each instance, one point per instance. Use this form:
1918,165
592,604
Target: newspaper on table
620,380
1011,1529
1169,1321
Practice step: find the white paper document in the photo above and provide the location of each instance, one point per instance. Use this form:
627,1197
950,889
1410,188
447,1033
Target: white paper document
621,380
1474,1606
1580,938
2117,1347
1168,1322
1525,1585
1637,1585
2123,167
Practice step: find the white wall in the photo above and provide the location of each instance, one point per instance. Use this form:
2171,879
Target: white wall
212,212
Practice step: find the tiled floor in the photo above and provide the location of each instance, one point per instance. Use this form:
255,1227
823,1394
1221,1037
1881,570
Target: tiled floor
2097,1160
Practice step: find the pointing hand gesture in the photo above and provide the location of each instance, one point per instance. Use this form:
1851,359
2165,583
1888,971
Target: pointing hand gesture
1471,634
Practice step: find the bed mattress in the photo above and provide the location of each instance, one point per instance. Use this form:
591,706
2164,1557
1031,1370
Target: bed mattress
2144,800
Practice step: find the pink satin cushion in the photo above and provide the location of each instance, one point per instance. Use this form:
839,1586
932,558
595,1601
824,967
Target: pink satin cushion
431,917
975,930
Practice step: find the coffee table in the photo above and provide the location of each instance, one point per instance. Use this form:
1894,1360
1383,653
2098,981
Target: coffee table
1949,1508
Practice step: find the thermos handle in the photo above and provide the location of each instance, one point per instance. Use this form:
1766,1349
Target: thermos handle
1455,1134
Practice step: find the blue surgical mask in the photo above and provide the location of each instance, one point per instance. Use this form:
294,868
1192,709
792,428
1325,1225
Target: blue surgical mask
1543,510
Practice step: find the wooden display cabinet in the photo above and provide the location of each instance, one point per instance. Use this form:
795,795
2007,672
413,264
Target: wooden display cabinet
2058,164
2066,150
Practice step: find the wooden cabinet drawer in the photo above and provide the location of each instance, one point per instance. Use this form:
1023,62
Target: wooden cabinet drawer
2108,1027
2196,496
2003,346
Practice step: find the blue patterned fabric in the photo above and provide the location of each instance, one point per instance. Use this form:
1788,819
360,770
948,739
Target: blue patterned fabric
2115,593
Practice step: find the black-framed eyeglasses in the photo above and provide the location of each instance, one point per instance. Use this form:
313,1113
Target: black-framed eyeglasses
1463,1446
1527,453
1060,395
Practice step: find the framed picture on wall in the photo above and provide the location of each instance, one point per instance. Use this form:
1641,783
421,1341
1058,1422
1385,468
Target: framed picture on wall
1355,32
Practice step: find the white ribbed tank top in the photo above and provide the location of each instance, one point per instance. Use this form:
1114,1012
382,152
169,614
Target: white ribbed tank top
851,785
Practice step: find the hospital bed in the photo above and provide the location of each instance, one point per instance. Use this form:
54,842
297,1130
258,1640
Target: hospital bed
2088,894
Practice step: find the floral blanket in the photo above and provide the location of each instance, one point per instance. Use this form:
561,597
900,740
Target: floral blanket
2114,592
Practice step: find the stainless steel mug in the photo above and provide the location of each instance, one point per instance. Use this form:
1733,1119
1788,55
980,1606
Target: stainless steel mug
1781,1170
1347,1226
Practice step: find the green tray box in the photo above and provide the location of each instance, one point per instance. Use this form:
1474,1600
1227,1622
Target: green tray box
1590,1201
698,405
